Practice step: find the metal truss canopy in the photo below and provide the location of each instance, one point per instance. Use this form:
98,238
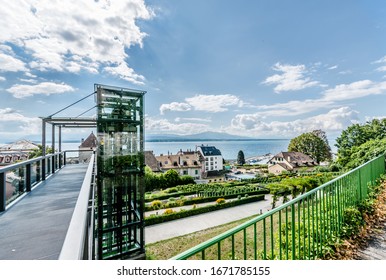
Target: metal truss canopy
71,122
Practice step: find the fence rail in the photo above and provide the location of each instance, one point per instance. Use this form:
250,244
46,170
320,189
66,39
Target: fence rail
297,229
79,241
17,179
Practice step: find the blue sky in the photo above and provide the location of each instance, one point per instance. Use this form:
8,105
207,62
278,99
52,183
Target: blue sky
264,69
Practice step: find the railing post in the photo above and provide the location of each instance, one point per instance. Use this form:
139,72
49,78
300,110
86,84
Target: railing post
2,191
28,177
360,185
53,163
43,169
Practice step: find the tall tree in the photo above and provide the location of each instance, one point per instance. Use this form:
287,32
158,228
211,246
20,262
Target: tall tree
312,145
240,158
322,135
356,135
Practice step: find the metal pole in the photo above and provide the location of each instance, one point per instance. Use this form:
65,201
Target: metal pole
28,178
60,146
53,148
43,167
2,191
60,138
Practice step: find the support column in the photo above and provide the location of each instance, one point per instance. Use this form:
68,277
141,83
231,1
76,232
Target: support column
3,186
43,167
60,146
53,149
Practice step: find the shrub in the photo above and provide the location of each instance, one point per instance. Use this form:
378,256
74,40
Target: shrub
352,221
168,211
220,200
156,204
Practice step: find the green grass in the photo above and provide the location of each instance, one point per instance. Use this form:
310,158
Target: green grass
166,249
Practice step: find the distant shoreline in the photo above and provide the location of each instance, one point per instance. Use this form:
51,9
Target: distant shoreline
210,140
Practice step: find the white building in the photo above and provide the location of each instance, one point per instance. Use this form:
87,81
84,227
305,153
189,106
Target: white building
184,162
213,158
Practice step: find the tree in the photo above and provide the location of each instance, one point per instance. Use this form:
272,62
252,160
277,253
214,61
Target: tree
365,152
357,135
240,158
312,144
39,152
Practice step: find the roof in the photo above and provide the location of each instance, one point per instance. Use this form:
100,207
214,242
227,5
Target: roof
296,159
179,161
210,151
90,142
151,161
21,145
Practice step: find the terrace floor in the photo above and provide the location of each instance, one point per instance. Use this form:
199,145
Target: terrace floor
36,226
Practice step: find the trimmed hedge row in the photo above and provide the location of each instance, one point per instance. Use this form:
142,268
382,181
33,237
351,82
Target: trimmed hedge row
167,196
156,219
198,200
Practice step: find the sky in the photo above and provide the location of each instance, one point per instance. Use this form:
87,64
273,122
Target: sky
262,69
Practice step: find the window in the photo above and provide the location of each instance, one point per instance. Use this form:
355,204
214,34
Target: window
196,172
185,172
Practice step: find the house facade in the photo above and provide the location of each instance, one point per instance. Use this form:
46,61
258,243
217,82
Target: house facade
184,162
290,161
17,151
213,158
87,147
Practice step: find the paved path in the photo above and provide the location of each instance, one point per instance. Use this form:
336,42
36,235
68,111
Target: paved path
35,227
376,248
191,224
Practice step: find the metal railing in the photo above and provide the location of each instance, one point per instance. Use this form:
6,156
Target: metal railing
298,229
79,241
18,179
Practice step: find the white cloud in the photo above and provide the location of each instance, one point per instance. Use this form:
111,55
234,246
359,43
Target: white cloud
293,78
2,79
256,125
8,63
192,119
295,107
46,88
201,102
164,126
21,124
32,81
333,67
381,61
175,106
354,90
213,103
71,36
126,73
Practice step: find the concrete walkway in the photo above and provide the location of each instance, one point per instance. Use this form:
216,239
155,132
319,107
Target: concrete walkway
191,224
35,227
376,248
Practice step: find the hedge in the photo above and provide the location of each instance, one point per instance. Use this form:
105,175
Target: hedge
198,200
156,219
167,196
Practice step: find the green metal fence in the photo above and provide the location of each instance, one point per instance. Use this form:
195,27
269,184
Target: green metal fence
298,229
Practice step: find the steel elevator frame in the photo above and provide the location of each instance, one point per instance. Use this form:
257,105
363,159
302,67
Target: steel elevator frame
120,187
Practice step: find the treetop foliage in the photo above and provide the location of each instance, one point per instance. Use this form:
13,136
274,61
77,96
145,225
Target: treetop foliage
314,144
240,158
360,143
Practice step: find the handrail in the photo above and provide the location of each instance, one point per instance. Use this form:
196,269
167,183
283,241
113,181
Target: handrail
77,234
48,165
29,161
291,205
